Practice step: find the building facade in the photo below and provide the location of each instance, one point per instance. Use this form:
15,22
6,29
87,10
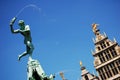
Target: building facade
86,75
106,56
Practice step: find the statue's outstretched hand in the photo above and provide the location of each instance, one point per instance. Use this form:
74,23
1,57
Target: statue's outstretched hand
12,21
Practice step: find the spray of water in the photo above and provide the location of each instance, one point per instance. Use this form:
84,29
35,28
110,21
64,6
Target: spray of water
27,6
71,73
57,73
66,71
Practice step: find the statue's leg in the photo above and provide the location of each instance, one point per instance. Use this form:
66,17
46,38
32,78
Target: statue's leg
21,55
30,48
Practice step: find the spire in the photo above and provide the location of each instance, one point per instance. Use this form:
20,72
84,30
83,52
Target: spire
95,30
81,65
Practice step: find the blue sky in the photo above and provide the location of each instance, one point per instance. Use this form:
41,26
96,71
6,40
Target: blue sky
61,33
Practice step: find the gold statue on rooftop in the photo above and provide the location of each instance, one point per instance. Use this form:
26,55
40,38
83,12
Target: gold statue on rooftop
95,30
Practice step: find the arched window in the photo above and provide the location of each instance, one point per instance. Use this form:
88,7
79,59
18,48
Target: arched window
86,77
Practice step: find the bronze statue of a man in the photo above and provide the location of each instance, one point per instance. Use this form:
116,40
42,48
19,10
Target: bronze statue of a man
25,31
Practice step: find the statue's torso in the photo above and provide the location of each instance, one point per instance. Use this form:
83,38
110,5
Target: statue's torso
27,35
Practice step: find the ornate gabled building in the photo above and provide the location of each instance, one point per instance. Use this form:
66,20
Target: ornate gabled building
106,56
86,75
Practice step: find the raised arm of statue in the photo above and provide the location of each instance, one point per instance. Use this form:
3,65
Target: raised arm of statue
11,26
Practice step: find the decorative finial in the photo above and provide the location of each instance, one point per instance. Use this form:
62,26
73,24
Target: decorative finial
81,63
105,34
95,30
92,51
93,40
114,40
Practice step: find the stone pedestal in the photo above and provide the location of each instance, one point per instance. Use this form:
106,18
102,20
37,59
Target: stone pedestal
35,71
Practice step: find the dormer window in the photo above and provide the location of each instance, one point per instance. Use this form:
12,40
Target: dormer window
107,43
99,48
103,45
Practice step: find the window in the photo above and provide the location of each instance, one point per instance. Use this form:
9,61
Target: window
86,77
102,59
113,68
98,48
103,45
113,52
107,43
117,62
101,74
107,55
107,71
